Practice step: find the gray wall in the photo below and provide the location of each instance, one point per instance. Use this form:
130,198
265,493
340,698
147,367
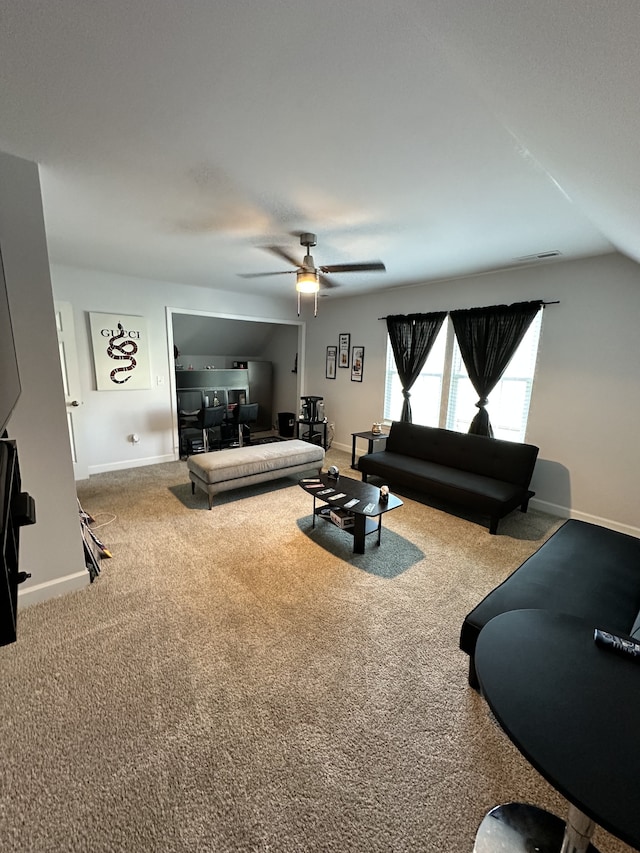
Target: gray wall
110,417
585,406
585,403
51,549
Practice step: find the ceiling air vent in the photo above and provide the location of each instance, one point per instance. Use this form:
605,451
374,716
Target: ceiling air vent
541,256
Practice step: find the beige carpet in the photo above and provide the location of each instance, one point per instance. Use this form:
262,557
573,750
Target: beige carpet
235,681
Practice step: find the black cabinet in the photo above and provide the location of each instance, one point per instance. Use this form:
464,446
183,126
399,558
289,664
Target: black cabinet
198,388
17,508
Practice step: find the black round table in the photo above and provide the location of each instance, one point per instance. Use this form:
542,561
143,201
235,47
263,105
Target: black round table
573,711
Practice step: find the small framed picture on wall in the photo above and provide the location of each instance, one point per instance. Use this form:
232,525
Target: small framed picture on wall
357,364
330,369
344,342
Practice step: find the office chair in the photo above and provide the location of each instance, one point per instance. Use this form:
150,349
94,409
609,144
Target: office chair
247,414
209,418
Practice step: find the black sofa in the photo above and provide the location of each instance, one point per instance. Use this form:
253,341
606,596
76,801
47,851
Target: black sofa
486,475
583,570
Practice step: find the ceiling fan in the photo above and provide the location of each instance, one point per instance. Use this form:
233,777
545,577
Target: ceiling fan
310,278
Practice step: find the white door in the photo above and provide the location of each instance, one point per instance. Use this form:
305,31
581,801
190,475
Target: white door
72,391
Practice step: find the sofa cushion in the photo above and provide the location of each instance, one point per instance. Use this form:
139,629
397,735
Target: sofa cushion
442,481
241,462
583,569
509,461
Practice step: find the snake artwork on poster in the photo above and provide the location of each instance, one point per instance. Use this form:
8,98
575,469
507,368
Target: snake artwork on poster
120,352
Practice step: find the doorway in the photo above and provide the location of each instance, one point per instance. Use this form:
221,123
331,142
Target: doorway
215,340
68,352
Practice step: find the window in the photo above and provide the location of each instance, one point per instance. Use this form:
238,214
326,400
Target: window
427,390
444,396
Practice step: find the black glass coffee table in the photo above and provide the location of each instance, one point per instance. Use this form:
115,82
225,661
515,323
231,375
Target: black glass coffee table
360,499
571,708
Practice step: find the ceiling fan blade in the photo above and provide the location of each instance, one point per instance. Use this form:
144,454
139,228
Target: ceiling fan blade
282,253
261,274
367,266
326,282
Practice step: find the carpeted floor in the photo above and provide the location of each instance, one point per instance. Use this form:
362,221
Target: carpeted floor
236,681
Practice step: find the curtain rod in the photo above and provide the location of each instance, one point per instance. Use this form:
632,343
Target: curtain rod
554,302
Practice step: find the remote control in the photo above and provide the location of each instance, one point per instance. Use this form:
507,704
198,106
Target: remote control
628,648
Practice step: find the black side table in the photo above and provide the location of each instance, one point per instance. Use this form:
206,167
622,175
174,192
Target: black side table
314,428
371,438
571,708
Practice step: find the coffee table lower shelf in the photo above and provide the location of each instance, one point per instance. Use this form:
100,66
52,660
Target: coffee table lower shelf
362,526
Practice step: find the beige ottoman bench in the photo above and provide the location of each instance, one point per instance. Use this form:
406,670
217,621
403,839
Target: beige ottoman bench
223,470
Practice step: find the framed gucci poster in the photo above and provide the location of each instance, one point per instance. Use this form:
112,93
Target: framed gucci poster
120,352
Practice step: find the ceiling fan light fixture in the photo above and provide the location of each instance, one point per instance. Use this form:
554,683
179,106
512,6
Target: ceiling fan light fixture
307,282
308,276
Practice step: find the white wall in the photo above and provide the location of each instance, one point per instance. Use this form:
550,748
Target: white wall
585,407
51,549
110,417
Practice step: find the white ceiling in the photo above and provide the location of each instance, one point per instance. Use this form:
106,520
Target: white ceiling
444,137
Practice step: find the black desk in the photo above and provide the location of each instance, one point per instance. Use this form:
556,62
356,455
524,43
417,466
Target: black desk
371,437
571,708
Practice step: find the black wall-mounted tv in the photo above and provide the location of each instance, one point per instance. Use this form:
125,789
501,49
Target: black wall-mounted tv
9,373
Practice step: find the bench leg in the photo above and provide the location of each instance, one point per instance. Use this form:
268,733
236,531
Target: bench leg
193,491
364,477
493,527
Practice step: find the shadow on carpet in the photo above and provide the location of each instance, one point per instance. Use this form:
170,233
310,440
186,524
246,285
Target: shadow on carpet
393,557
529,526
199,500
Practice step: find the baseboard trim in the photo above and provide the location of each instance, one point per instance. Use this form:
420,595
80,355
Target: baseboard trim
565,512
50,589
552,509
131,463
345,448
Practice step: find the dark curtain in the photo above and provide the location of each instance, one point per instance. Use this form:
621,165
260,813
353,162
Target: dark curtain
412,336
488,338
